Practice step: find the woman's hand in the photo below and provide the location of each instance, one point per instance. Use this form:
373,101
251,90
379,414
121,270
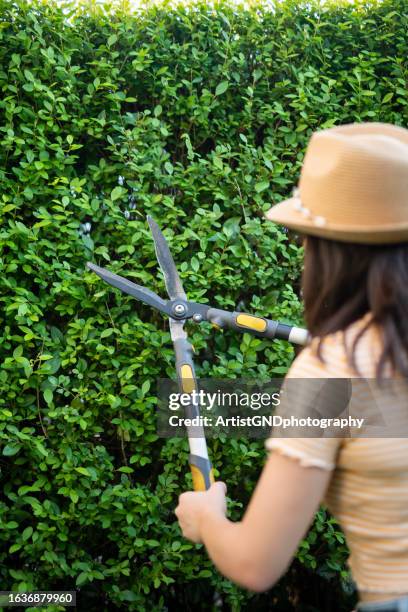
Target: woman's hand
194,506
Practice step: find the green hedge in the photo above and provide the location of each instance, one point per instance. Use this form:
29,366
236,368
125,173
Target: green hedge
198,116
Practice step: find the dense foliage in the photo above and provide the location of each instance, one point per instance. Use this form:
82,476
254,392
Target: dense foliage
200,117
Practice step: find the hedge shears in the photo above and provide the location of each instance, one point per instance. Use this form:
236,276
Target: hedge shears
179,309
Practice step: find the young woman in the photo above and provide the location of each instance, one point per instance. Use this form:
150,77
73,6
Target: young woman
352,205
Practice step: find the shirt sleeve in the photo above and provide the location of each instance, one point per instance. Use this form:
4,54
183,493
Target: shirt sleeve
315,450
310,452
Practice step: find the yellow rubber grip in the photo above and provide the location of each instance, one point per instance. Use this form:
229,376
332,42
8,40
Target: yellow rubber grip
251,322
198,478
187,379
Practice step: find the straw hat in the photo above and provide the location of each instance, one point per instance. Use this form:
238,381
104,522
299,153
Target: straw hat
353,186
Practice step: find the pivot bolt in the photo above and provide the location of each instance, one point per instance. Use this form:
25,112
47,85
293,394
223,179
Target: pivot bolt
197,317
179,309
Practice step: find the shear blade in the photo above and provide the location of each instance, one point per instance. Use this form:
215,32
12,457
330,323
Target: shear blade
137,291
166,262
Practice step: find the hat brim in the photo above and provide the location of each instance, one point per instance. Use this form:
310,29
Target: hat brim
286,214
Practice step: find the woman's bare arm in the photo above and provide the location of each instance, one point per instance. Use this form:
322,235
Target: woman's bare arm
256,551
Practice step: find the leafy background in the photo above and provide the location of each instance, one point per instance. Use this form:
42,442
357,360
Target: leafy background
198,116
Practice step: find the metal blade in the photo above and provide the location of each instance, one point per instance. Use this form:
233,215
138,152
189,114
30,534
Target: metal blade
177,330
166,262
140,293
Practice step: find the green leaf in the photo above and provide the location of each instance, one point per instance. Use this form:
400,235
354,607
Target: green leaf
18,351
218,162
117,193
169,167
128,596
205,574
48,396
107,332
11,449
261,186
82,471
14,548
387,97
27,533
221,88
145,387
74,496
28,192
82,578
11,525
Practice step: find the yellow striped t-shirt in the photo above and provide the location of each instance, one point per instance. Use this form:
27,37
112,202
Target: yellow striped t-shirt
368,491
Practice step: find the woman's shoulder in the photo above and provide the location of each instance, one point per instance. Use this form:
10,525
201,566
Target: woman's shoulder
330,356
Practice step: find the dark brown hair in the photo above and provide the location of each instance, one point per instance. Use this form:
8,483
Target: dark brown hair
343,281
